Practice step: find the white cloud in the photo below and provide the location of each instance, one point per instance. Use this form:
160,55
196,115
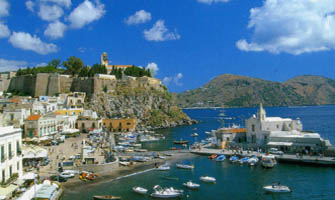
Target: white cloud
175,79
30,5
139,17
65,3
50,13
4,30
212,1
55,30
11,65
291,26
33,43
86,13
153,67
160,33
4,8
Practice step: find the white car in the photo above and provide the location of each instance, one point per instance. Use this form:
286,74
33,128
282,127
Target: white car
275,151
66,175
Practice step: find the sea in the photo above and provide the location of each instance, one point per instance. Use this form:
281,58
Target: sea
234,181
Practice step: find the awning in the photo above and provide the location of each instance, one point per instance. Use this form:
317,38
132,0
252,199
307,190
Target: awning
7,192
280,144
29,176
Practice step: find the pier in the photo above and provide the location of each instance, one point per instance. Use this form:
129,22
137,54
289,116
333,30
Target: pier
286,158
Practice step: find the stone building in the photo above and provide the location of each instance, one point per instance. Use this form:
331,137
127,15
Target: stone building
120,125
85,124
15,117
104,61
75,100
10,152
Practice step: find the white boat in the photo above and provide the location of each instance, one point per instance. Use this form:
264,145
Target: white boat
268,161
163,168
277,188
183,166
253,160
195,135
208,179
166,192
191,185
140,190
124,163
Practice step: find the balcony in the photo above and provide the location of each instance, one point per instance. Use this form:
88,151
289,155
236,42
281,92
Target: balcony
3,158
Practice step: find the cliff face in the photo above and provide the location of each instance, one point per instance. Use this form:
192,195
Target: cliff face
240,91
152,108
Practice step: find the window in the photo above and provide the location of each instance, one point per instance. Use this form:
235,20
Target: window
2,153
128,123
18,166
18,148
3,176
11,117
10,171
9,151
277,126
253,127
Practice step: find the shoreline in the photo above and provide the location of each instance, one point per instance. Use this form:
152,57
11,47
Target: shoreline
73,184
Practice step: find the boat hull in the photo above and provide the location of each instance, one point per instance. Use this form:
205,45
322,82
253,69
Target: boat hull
104,197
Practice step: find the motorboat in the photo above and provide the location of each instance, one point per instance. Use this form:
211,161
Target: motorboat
220,158
163,168
140,190
212,156
207,132
234,159
166,193
191,185
124,163
268,161
180,141
184,166
195,135
253,160
277,188
105,197
244,160
208,179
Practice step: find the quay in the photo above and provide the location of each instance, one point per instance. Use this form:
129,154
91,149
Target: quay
285,158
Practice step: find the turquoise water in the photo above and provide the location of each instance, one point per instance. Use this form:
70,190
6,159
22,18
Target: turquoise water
233,180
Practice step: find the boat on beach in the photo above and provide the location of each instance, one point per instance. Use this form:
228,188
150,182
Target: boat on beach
140,190
184,166
208,179
166,193
191,185
105,197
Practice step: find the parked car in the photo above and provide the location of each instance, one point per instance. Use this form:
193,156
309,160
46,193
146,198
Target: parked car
66,175
276,151
58,178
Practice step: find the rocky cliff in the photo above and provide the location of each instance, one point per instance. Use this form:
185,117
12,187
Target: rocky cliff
241,91
152,108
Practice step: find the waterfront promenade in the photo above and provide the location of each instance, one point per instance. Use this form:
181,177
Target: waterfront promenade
286,158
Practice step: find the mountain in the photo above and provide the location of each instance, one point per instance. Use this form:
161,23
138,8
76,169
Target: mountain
241,91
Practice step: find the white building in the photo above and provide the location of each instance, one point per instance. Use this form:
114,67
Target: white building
10,152
15,117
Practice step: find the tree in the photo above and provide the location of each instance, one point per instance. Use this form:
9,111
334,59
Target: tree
54,63
73,65
97,69
83,72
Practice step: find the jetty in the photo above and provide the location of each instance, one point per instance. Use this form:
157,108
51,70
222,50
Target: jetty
285,158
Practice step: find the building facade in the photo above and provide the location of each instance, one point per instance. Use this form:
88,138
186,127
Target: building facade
85,124
120,125
40,126
10,152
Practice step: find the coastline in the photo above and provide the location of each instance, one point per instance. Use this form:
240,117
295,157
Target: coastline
72,185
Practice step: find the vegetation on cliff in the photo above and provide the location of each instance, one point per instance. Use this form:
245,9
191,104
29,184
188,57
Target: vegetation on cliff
240,91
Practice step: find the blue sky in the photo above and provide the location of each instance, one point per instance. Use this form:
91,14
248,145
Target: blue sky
188,41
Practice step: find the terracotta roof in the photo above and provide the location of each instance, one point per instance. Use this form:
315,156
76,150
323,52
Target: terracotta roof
33,117
15,100
235,130
119,66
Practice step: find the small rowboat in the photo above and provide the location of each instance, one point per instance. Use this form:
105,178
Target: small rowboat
213,156
140,190
277,188
105,197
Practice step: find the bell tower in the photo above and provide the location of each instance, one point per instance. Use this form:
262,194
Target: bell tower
104,59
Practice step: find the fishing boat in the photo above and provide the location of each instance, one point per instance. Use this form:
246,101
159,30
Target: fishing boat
277,188
212,156
244,160
208,179
163,168
184,166
191,185
180,141
140,190
165,193
195,135
105,197
234,159
220,158
268,161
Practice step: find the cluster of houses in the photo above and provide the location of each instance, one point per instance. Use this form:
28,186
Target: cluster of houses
262,132
43,119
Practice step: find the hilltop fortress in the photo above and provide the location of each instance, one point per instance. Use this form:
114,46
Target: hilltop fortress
50,84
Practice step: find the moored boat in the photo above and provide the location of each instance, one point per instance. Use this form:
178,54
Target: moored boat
140,190
195,135
180,141
105,197
163,168
191,185
212,156
244,160
277,188
184,166
166,192
220,158
268,161
208,179
234,159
